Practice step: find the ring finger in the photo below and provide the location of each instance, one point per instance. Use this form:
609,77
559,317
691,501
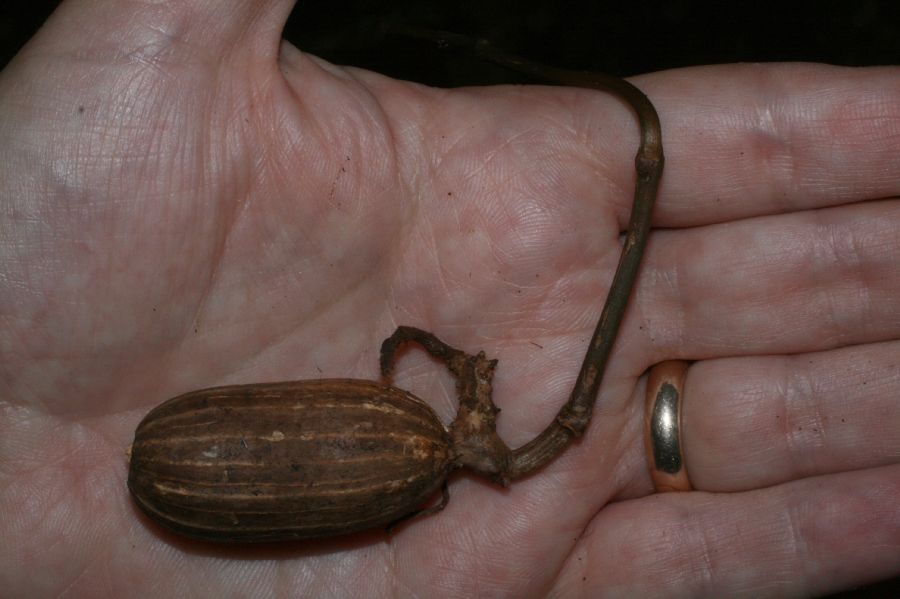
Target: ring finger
754,422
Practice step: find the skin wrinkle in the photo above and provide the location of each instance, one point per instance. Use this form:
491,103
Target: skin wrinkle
399,582
340,585
403,135
576,546
835,250
58,501
630,477
797,545
339,134
675,528
78,577
529,222
771,150
793,387
697,569
287,332
819,424
499,176
814,437
616,194
473,172
107,577
596,150
675,281
217,249
374,121
454,139
217,253
449,576
404,235
281,578
316,133
878,111
482,569
432,244
275,344
77,445
426,230
661,344
466,137
234,131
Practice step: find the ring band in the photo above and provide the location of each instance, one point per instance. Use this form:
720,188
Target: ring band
662,426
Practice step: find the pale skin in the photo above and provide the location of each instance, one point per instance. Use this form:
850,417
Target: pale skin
187,201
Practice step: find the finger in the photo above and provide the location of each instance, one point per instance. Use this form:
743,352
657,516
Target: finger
154,34
783,284
748,140
756,422
740,141
804,538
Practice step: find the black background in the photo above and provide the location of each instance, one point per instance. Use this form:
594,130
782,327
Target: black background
622,38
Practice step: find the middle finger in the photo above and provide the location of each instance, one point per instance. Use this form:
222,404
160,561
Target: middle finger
753,422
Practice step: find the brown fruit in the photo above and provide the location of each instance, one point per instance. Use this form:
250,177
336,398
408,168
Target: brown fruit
292,460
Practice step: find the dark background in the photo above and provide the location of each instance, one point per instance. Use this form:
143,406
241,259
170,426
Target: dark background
603,35
622,38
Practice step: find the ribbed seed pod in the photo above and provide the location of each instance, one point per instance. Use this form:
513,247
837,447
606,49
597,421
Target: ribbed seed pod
290,460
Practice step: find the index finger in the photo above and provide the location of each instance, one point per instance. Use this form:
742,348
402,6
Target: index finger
751,140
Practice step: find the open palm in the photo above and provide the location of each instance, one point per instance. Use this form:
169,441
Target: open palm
187,201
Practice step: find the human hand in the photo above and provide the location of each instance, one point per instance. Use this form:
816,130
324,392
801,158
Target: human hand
188,202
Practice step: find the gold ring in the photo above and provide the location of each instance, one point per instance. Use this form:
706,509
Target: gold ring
662,426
